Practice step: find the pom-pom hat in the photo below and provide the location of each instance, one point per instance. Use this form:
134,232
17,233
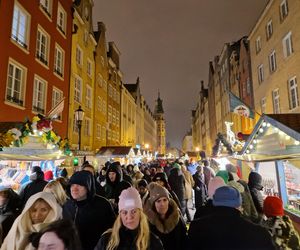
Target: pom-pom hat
130,199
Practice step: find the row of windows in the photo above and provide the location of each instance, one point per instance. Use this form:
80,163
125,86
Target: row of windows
79,60
113,135
15,88
113,93
287,51
78,90
113,115
20,34
293,97
100,132
283,13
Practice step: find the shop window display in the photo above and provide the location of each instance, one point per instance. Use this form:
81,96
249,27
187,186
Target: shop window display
268,172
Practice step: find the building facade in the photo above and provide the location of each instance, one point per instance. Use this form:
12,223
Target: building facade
35,59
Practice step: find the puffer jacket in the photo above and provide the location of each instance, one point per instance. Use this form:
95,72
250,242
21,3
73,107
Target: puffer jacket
255,187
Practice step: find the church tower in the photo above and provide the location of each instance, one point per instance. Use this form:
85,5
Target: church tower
161,126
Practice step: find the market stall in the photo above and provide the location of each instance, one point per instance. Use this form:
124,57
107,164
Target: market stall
274,149
123,154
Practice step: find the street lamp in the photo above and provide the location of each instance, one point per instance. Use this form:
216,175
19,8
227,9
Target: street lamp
79,114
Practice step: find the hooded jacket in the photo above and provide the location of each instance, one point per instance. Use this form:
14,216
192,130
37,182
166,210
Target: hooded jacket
18,237
255,186
92,216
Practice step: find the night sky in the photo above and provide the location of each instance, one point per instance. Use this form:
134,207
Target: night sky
169,43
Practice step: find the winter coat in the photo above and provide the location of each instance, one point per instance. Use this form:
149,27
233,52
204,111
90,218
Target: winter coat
200,190
255,187
226,229
283,232
9,212
209,173
18,237
114,189
189,183
33,187
171,230
127,240
204,210
92,216
177,183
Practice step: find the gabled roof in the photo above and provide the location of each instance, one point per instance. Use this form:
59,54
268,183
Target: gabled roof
275,136
114,151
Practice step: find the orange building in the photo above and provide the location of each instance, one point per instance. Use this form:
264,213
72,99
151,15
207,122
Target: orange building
35,57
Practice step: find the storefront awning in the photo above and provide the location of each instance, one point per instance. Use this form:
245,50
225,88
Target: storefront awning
275,137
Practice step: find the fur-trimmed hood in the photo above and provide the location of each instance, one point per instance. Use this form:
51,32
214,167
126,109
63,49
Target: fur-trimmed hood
167,225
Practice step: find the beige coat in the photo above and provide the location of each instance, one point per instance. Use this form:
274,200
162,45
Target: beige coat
18,236
189,183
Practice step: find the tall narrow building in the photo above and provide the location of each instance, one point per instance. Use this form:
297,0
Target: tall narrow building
161,126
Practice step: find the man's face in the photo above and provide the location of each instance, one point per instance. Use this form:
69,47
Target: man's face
162,205
142,190
78,192
112,176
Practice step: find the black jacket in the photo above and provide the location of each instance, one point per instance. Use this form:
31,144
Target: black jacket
255,186
127,240
92,216
177,183
226,229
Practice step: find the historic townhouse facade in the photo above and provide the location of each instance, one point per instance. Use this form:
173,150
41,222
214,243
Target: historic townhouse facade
35,59
275,58
82,76
100,92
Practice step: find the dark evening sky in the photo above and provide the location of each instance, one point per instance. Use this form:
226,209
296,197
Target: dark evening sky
169,43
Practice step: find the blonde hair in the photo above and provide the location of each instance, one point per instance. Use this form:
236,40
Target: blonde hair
57,190
143,236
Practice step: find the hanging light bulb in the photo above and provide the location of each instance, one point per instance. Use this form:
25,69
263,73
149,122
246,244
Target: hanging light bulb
264,124
268,125
287,137
261,130
254,141
251,146
297,142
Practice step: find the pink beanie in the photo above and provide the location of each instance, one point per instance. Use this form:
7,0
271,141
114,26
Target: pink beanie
214,184
130,199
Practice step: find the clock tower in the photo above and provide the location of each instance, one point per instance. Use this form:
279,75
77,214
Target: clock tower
161,126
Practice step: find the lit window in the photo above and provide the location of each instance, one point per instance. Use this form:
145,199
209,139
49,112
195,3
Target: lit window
109,114
87,127
42,46
287,45
20,26
59,60
78,89
39,98
98,131
15,85
276,103
99,103
293,93
61,19
272,61
79,56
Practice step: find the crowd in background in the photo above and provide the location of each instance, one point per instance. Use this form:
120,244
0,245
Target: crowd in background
144,206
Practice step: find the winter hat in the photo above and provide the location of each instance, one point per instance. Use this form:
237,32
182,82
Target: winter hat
142,183
273,206
214,184
177,165
36,169
255,180
156,191
48,176
224,175
227,197
233,170
161,177
4,187
130,199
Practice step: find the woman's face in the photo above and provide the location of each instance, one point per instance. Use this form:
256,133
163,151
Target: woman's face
130,218
49,240
39,211
162,205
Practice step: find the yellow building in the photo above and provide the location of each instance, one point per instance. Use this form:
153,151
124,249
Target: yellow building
275,58
100,93
114,96
82,75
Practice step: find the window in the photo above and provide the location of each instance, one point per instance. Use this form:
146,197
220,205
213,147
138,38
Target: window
61,19
79,56
272,61
263,102
109,90
269,29
114,94
258,44
86,37
59,60
287,45
118,97
42,46
75,127
46,6
104,106
293,93
117,118
39,95
114,116
89,68
78,89
57,95
87,127
98,131
248,87
109,113
99,80
15,83
99,103
284,10
260,72
276,103
103,132
88,97
20,26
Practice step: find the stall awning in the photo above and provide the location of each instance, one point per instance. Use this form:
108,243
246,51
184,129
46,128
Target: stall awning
115,151
275,137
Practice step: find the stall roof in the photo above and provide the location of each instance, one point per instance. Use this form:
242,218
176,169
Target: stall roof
275,136
114,151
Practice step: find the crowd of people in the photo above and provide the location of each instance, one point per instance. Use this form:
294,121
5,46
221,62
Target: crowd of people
143,207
